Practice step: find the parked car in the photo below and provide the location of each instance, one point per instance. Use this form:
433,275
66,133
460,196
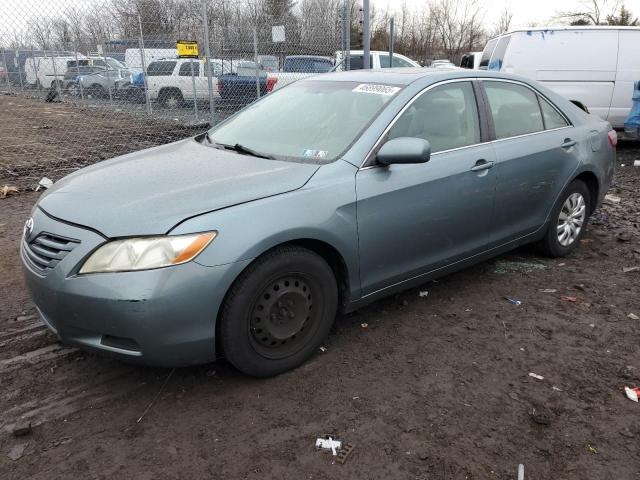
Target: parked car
594,67
319,198
70,79
378,59
471,60
297,67
240,85
268,63
101,83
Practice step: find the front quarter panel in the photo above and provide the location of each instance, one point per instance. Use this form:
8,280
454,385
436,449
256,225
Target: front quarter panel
324,210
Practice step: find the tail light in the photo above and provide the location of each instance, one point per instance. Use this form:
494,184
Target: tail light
219,85
271,83
613,138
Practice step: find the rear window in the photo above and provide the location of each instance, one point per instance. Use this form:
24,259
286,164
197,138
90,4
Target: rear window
397,61
486,53
307,65
498,54
157,69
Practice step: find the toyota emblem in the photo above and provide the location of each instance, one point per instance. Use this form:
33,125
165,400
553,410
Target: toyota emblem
28,227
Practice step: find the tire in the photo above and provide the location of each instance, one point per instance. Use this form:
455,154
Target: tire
96,91
560,241
278,312
170,99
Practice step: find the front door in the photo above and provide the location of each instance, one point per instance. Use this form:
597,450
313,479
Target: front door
416,218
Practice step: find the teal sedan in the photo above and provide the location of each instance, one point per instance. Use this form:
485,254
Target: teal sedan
319,198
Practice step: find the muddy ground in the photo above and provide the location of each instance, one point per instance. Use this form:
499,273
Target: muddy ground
433,387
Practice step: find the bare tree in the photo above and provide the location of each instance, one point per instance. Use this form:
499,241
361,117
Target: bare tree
504,22
591,12
458,24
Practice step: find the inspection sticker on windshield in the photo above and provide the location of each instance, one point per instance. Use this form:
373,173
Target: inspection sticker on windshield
308,153
377,89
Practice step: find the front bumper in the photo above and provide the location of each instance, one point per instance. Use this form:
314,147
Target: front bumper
164,317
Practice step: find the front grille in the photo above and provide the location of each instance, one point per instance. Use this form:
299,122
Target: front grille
46,250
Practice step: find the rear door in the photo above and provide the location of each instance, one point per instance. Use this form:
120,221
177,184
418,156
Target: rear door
536,148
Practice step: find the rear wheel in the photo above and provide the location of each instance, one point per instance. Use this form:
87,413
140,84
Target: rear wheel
170,99
278,311
568,220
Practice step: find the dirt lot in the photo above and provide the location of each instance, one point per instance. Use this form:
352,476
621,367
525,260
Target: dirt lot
433,387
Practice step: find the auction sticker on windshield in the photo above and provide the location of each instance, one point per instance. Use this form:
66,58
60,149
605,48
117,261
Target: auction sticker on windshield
377,89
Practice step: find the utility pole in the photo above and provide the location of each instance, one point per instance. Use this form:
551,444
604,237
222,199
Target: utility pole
366,36
391,40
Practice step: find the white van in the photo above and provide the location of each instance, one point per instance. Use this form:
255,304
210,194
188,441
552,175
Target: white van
133,58
45,71
594,67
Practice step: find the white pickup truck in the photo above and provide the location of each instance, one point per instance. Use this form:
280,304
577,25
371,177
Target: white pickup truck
297,67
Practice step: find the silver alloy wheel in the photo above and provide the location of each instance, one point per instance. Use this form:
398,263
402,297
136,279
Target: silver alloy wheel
571,219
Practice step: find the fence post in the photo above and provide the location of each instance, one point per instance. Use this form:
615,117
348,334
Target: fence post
78,71
208,64
346,34
144,72
391,41
104,57
6,69
255,59
16,62
366,36
193,84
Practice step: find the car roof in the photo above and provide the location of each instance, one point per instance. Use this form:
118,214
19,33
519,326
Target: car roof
408,75
308,56
574,28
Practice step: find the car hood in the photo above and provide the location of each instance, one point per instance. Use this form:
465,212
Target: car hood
150,191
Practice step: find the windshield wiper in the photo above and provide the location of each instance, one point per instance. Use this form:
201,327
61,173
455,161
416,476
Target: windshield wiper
242,149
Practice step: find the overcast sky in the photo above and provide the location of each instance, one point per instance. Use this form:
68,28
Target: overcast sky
13,13
525,12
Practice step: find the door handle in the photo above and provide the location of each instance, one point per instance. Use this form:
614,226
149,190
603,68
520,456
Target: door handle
482,164
568,143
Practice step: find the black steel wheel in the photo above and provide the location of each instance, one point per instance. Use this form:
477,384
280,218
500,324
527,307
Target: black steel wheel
278,311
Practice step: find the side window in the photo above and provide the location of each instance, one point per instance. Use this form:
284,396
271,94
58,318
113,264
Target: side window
185,69
99,63
514,109
552,118
399,62
446,116
498,54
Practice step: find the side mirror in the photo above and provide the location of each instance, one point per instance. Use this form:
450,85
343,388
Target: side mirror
404,150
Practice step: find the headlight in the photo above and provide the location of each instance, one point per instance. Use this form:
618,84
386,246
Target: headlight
146,253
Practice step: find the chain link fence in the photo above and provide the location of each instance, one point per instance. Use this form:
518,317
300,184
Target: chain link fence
85,80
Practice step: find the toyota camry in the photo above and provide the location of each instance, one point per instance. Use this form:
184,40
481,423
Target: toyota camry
248,240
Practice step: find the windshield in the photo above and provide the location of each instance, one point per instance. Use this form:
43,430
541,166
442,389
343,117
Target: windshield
115,64
310,120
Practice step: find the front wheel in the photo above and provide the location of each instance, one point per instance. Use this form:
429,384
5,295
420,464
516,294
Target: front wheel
278,312
568,220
